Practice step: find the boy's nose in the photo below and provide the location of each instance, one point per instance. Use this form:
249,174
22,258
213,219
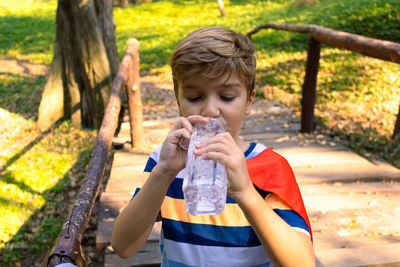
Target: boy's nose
210,109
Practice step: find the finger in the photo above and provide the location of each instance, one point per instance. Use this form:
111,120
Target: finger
212,147
195,119
225,138
176,135
184,123
216,156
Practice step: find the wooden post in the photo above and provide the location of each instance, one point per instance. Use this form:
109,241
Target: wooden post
397,126
134,97
309,86
221,7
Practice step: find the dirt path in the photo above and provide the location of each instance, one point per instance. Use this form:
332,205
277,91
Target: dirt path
22,68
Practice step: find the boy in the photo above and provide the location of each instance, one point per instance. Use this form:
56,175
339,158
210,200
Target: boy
264,221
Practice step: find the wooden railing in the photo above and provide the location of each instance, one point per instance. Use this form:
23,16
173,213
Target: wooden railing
68,247
384,50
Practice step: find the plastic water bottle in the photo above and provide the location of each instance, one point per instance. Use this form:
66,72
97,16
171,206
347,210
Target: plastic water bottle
205,184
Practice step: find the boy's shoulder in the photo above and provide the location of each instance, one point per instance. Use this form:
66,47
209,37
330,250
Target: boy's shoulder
155,154
260,154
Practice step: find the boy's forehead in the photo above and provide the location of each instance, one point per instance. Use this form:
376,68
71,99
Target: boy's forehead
199,80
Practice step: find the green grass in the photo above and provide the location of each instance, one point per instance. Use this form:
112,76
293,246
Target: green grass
358,97
27,29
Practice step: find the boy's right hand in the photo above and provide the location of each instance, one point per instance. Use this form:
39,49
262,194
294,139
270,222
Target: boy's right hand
173,156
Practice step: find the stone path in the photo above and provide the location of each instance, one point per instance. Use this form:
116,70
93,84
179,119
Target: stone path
353,203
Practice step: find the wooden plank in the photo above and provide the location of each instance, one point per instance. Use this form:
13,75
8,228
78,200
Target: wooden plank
375,220
281,128
382,255
110,197
124,158
266,136
126,179
349,188
351,200
148,255
108,212
353,228
104,234
328,240
346,173
304,157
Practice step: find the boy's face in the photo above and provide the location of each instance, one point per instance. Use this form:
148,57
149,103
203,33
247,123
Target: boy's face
224,99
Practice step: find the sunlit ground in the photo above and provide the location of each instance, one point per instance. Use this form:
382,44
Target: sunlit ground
30,175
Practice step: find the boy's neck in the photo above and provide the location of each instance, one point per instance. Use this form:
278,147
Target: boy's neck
244,145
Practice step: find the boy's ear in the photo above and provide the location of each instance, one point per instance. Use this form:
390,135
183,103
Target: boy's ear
249,103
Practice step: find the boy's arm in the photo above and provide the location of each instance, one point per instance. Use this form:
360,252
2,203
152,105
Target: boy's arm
284,245
134,223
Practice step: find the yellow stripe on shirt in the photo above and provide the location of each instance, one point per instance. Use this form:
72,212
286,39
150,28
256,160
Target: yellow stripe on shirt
275,202
175,209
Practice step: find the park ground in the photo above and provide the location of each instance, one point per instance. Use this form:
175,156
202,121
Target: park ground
40,173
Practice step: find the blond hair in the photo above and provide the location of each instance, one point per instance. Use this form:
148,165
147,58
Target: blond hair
214,52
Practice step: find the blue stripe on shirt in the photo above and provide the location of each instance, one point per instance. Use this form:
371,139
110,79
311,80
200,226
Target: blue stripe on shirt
151,163
292,218
213,235
209,235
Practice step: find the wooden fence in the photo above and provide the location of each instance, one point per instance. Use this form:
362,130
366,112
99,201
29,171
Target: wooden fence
384,50
68,247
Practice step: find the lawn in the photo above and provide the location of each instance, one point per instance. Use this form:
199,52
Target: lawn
358,97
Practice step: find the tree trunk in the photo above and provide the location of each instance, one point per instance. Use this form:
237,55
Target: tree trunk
87,69
51,107
104,10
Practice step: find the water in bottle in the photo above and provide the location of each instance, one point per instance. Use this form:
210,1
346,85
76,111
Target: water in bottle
205,183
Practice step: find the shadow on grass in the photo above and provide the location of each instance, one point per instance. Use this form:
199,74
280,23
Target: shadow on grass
21,95
23,151
27,34
29,245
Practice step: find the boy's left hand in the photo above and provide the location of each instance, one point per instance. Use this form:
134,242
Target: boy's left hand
222,148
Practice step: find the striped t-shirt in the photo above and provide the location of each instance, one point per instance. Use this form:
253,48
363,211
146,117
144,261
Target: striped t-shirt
226,239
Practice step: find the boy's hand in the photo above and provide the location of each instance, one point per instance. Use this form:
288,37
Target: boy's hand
223,149
173,156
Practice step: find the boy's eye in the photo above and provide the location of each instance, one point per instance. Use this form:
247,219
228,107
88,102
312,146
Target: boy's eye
227,98
194,98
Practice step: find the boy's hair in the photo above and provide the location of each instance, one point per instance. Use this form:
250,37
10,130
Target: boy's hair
214,52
